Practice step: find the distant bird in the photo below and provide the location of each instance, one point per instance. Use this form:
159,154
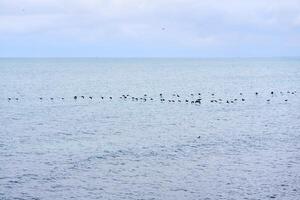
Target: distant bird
8,99
90,97
286,100
41,98
110,97
51,99
186,101
198,101
75,97
256,93
16,99
268,100
102,97
241,93
243,99
82,97
62,98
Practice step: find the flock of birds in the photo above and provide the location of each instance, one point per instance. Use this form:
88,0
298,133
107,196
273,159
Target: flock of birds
194,98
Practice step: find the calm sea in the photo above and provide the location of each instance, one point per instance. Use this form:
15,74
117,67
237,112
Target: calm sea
135,131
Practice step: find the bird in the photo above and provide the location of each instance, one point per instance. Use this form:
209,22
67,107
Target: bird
198,101
90,97
9,99
75,97
82,97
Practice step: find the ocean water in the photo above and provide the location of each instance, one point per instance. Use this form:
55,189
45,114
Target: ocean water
236,144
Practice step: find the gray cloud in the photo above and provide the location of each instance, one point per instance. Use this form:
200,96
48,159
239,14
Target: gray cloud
194,23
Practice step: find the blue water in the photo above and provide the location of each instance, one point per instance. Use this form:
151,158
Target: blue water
121,148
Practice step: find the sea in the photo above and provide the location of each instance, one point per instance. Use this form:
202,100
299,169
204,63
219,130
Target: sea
150,128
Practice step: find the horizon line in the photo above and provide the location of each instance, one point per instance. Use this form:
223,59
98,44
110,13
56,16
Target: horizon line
145,57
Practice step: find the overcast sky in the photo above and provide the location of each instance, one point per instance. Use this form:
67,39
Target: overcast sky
141,28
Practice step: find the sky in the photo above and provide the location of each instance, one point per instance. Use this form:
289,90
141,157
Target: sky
149,28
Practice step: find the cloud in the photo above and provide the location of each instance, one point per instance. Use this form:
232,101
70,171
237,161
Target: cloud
194,23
